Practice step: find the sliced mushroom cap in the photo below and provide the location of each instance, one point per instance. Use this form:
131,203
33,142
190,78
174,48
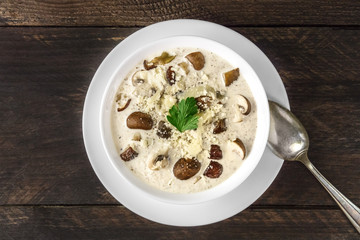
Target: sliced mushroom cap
215,152
197,59
214,170
122,102
123,107
139,77
170,76
128,154
139,120
163,131
220,126
203,102
243,107
231,76
159,162
186,168
239,148
149,65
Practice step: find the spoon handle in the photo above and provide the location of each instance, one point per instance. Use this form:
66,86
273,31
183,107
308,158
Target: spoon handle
351,211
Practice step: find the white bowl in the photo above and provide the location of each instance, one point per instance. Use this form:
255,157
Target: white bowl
235,60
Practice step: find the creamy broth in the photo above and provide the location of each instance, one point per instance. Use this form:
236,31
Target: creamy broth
155,96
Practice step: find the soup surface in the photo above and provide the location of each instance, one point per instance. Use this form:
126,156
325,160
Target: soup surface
184,120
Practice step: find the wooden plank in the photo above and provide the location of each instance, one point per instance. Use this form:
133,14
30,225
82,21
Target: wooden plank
44,76
115,222
142,13
45,72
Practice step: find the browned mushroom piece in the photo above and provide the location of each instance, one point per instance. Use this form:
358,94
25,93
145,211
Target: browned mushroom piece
203,102
170,76
220,126
148,65
214,170
139,120
122,101
186,168
215,152
163,131
231,76
240,149
128,154
122,108
197,59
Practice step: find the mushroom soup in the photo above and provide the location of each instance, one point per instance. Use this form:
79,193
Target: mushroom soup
184,120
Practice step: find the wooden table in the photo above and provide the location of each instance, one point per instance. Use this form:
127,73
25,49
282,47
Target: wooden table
49,52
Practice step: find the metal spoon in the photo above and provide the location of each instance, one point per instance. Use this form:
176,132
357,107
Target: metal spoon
289,140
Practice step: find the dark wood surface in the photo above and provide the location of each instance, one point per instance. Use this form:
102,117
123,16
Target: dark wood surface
142,12
49,52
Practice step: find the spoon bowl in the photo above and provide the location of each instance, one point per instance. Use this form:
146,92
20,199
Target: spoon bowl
288,137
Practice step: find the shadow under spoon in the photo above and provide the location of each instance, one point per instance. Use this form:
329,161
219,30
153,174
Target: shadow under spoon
289,140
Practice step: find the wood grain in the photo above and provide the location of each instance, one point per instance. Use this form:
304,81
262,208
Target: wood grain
116,222
45,73
141,13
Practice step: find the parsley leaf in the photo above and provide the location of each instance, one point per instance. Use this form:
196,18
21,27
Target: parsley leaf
183,115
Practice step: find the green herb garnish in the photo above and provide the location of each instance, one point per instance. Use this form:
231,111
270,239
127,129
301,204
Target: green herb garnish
183,115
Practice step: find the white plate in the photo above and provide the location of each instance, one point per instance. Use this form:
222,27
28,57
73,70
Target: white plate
166,213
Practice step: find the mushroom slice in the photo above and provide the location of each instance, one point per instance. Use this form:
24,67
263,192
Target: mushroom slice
149,65
220,126
128,154
122,101
186,168
214,170
197,59
139,120
203,102
170,76
122,108
231,76
243,108
215,152
239,148
159,162
163,131
139,77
